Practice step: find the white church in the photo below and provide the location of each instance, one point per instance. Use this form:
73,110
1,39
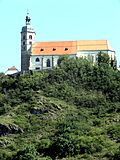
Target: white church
45,55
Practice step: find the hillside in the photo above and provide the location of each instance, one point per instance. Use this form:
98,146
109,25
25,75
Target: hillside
71,112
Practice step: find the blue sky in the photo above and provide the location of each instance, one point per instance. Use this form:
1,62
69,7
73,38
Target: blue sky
55,20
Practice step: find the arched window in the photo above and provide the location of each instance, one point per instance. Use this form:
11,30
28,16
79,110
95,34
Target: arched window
24,36
24,48
37,60
30,36
58,61
48,62
30,43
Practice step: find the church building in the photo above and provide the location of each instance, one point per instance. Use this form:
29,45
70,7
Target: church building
45,55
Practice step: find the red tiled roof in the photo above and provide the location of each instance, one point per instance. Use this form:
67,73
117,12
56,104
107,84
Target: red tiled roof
68,47
12,68
54,48
93,45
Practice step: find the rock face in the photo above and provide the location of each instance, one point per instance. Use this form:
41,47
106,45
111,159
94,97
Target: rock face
45,106
9,129
3,143
38,111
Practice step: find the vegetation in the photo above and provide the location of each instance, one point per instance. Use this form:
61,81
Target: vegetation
71,112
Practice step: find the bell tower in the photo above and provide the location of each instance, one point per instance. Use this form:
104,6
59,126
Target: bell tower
27,39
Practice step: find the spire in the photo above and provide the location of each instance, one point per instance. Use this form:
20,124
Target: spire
28,19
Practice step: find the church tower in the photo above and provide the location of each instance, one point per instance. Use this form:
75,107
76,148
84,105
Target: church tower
27,39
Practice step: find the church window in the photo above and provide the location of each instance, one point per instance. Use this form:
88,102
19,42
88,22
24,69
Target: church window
30,36
24,37
66,49
48,62
24,48
41,49
23,43
54,49
58,62
37,68
37,60
30,43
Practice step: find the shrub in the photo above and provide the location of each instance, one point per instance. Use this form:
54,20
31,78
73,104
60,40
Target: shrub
27,153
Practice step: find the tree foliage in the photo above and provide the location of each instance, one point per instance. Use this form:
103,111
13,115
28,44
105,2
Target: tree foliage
28,152
69,112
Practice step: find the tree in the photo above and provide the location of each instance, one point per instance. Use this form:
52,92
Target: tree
27,153
62,59
103,58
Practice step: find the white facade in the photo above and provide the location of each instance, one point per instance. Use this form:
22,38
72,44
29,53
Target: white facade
42,62
93,55
45,62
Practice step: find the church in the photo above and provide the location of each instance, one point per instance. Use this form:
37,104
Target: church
45,55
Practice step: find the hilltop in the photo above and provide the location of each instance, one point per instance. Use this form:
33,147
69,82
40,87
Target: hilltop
71,112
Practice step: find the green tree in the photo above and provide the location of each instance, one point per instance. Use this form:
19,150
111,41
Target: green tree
27,153
103,58
117,155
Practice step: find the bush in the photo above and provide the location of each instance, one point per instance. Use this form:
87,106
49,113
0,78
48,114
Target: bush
27,153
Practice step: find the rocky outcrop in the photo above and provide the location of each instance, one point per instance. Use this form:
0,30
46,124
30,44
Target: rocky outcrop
36,110
9,129
45,105
47,108
55,106
3,143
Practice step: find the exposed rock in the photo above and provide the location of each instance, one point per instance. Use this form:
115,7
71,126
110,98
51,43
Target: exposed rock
9,129
15,129
3,143
45,109
36,110
44,106
56,106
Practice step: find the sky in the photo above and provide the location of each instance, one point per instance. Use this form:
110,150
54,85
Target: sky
57,20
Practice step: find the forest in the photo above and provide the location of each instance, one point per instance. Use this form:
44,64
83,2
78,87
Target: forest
71,112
